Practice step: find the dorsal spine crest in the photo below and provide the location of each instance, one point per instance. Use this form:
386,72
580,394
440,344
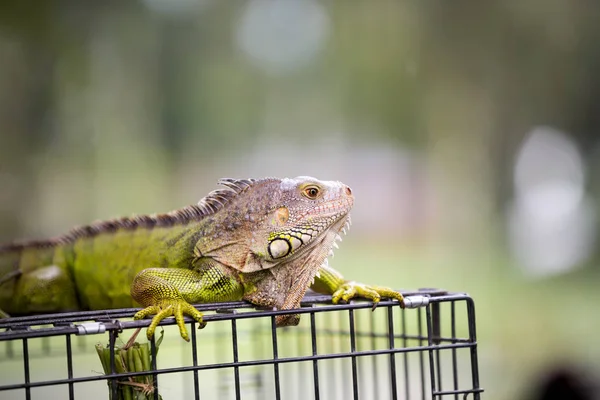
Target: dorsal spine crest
212,203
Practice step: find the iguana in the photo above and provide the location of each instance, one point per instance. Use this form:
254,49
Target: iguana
261,240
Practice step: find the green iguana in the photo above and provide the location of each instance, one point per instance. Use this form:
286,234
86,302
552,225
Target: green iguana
261,240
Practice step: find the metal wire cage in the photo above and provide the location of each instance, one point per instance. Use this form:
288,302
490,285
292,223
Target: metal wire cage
337,352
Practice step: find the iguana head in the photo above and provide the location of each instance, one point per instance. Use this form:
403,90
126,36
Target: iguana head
264,223
305,213
276,232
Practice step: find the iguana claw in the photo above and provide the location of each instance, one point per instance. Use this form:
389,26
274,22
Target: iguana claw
170,307
349,290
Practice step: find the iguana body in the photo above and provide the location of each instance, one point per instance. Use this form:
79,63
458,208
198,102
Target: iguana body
265,241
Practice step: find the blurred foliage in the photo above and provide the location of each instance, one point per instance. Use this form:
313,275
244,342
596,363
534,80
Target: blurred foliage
113,108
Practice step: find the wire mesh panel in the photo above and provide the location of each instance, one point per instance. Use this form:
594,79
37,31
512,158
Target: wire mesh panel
337,351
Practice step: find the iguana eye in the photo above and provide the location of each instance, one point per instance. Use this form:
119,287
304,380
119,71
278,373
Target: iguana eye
311,192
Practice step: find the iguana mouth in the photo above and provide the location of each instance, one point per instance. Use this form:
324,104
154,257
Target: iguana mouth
333,234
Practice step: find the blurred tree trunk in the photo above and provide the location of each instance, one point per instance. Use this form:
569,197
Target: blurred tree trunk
25,94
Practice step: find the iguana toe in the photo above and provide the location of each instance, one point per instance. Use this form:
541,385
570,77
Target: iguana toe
168,308
351,290
389,293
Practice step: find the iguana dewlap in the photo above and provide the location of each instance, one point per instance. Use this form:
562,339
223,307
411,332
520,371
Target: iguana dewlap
262,240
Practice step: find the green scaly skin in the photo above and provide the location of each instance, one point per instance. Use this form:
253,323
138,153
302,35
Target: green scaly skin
265,241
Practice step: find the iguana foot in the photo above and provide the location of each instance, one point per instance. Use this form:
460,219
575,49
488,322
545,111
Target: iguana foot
349,290
167,308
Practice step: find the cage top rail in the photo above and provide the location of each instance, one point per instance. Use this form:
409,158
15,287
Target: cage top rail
64,323
310,299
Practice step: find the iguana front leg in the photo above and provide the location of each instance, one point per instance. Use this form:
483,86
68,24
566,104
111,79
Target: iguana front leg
169,291
330,281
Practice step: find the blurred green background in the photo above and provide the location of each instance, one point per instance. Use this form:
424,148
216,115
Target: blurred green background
467,131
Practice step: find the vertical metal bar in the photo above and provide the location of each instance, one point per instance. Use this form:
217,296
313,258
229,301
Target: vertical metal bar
46,345
223,385
375,376
10,352
236,369
258,352
405,345
153,366
299,383
436,330
332,386
70,366
112,339
353,351
360,361
313,335
453,333
82,344
421,357
473,340
26,367
438,369
430,341
195,361
337,345
275,356
390,317
435,323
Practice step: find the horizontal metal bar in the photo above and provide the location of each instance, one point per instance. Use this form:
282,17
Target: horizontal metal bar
74,329
336,332
248,363
464,391
308,301
19,325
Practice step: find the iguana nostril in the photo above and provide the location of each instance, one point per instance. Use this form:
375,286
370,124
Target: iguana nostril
348,191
